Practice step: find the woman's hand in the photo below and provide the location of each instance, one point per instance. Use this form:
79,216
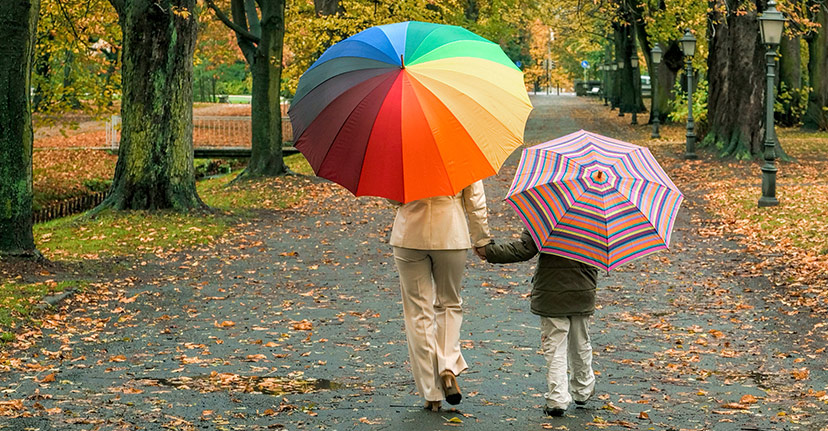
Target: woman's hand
480,252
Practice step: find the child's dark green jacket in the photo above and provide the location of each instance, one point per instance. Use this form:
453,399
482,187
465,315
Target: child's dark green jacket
561,287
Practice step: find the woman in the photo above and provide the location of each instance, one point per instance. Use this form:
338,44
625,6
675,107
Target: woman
431,240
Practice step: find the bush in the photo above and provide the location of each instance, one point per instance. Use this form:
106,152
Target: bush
790,105
679,105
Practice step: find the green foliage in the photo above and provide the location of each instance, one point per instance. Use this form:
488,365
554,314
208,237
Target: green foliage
791,103
134,233
667,21
678,105
97,185
76,65
505,22
229,78
123,233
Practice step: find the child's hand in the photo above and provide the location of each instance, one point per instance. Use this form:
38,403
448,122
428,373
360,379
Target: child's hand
480,252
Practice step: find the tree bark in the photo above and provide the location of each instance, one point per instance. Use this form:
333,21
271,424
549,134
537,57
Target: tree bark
18,24
627,86
790,80
261,42
736,78
672,62
155,160
266,158
816,115
618,81
327,7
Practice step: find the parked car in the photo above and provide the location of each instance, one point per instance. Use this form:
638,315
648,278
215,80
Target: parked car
646,87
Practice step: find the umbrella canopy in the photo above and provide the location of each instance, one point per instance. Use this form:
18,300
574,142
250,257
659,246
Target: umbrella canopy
410,110
594,199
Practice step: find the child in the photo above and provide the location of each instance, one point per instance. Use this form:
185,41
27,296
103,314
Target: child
563,295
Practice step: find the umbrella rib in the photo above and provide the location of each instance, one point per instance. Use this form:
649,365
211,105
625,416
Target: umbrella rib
482,108
465,130
341,126
476,77
448,44
372,47
568,208
627,197
422,41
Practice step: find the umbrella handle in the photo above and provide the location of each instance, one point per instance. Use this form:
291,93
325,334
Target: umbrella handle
402,62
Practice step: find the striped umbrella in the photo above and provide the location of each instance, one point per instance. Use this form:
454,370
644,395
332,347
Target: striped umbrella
594,199
410,110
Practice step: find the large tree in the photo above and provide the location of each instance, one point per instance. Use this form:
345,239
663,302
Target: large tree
816,115
260,32
155,160
18,23
736,77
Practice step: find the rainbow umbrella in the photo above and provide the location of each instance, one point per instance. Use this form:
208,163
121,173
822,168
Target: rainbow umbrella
594,199
409,110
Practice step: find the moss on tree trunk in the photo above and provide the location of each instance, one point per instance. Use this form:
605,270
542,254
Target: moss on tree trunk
155,160
18,22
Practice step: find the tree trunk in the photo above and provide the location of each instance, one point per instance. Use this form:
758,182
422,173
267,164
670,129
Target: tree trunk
18,23
629,101
327,7
155,161
790,80
266,158
816,116
736,78
618,78
672,62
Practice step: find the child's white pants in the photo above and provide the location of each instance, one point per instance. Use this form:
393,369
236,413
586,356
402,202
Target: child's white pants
565,341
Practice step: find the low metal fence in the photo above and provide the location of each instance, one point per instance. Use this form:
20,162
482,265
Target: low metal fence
208,131
68,207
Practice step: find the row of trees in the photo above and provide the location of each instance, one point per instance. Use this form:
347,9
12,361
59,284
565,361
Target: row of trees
730,58
91,54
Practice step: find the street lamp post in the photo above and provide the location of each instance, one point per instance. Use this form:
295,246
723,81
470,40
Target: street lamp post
688,47
771,24
656,54
620,72
636,88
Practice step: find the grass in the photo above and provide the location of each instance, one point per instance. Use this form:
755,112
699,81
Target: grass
796,230
136,233
129,233
19,303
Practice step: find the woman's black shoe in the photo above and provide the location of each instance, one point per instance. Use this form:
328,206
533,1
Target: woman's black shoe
553,411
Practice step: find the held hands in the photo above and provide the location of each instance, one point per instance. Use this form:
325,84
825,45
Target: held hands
480,252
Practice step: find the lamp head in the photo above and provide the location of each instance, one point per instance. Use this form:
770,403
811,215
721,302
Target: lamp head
656,53
771,24
688,44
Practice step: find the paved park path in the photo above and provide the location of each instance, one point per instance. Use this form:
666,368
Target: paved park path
296,323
